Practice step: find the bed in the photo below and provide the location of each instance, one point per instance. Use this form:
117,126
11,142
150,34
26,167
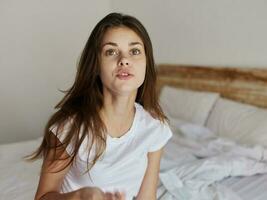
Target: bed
219,120
18,179
209,109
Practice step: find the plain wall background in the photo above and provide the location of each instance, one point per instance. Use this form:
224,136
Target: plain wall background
206,32
40,42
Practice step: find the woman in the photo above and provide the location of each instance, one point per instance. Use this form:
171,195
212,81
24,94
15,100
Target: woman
106,139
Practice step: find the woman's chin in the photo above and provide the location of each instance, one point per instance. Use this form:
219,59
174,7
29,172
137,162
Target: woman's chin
127,91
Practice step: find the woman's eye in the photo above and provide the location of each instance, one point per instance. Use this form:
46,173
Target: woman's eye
135,51
110,52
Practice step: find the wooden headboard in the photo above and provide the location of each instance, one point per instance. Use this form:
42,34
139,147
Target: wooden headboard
246,85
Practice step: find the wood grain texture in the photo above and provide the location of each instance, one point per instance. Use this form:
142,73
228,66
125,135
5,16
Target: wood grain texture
246,85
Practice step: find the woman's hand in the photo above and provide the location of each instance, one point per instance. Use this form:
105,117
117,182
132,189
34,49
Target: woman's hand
114,196
94,193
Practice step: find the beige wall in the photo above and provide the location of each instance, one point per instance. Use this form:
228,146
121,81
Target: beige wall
40,42
206,32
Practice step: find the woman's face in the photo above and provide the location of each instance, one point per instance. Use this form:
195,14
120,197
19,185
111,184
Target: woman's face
122,61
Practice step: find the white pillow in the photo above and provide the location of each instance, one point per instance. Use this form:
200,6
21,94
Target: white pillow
188,105
241,122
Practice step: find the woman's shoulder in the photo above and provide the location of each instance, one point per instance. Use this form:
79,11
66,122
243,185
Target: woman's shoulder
66,135
151,124
146,117
62,127
155,132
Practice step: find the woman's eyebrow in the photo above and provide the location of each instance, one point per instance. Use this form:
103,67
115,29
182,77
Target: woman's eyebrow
115,44
110,43
135,43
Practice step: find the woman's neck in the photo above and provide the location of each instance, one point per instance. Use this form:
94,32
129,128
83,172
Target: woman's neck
118,115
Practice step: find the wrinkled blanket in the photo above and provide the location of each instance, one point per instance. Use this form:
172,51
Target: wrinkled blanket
202,161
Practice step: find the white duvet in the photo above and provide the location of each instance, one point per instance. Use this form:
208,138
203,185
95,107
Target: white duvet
201,160
191,172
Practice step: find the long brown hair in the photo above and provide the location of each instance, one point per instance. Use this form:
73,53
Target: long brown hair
83,101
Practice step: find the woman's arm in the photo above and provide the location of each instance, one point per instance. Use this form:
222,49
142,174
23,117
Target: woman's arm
149,185
86,193
52,175
50,181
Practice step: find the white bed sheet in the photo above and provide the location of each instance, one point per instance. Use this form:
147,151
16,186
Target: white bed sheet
247,188
18,179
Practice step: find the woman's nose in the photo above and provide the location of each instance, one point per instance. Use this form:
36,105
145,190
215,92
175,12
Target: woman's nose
124,62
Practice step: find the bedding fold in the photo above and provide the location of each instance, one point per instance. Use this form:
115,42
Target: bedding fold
209,161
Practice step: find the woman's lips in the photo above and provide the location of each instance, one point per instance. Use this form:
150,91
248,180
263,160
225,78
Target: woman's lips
124,76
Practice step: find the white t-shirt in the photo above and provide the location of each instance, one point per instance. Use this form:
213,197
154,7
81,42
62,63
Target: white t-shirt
123,164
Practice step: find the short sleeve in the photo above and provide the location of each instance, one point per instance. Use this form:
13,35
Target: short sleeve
160,137
61,134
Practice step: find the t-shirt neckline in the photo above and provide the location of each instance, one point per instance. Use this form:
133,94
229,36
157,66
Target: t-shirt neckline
129,133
